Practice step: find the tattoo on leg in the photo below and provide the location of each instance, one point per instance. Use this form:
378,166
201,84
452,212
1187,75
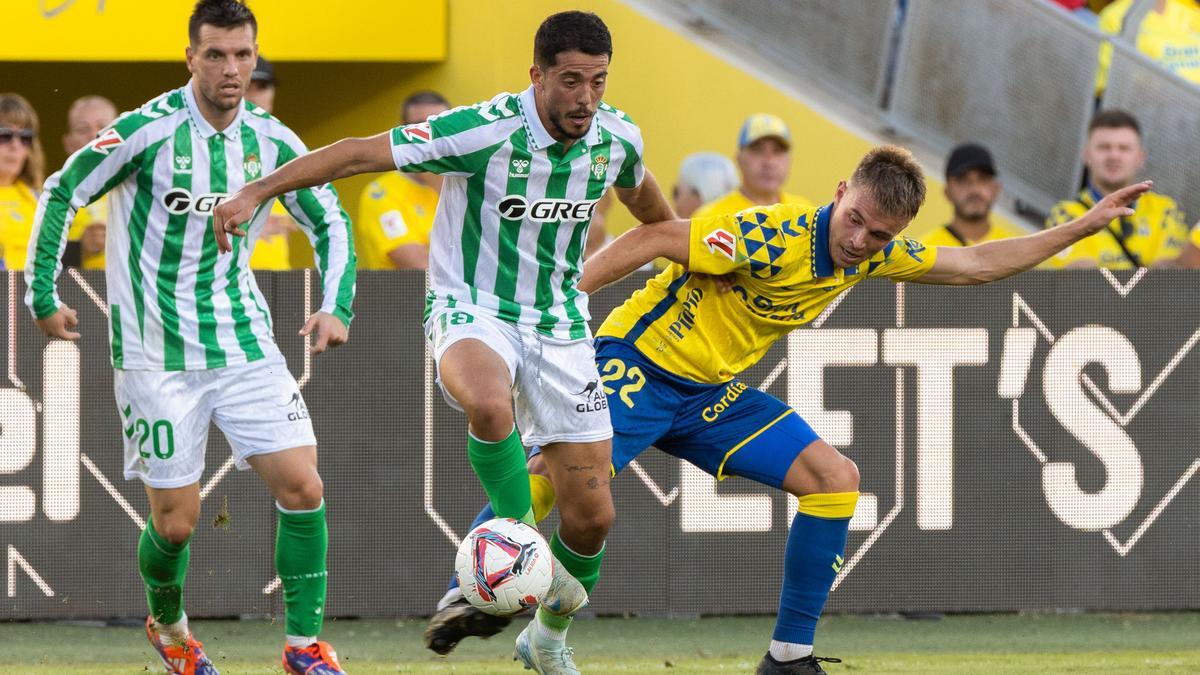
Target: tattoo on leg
577,467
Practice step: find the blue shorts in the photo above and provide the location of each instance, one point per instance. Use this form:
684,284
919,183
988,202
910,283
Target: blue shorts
723,429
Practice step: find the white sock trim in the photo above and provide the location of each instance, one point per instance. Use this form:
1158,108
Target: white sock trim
177,632
300,641
279,507
544,633
480,440
577,553
789,651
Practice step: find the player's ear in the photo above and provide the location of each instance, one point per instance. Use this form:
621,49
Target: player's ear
535,76
841,191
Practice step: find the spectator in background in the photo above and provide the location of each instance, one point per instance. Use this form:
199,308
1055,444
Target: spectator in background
86,118
1153,235
271,251
22,170
261,90
1191,251
972,189
1167,31
396,210
703,177
764,159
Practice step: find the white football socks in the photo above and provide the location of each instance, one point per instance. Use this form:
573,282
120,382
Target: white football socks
788,651
300,641
175,632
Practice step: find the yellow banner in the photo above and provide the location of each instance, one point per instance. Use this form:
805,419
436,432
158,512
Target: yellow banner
288,30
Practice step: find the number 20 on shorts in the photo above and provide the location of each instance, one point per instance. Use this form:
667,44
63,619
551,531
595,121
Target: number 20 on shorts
159,433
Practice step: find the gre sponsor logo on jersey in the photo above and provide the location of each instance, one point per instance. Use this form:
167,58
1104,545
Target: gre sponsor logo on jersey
180,200
516,207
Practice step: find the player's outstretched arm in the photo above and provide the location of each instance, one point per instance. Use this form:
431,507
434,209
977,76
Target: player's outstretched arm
668,239
995,260
646,201
347,157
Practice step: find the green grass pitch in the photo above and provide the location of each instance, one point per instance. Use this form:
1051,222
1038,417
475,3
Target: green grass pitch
1080,643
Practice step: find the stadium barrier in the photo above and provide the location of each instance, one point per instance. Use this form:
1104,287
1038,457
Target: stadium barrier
1168,108
1016,75
841,41
1028,445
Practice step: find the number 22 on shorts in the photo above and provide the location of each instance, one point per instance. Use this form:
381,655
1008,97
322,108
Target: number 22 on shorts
613,370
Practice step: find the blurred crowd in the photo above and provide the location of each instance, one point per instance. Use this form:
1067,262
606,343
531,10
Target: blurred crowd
396,210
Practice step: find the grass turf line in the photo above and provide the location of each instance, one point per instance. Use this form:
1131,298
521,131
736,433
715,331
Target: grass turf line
1091,643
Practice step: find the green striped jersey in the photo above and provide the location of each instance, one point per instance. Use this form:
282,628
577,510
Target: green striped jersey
515,206
174,303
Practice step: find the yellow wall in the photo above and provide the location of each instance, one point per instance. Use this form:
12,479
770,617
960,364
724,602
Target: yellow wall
684,98
148,30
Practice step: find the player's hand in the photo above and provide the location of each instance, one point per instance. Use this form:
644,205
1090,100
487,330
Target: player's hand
60,323
330,330
1113,206
230,215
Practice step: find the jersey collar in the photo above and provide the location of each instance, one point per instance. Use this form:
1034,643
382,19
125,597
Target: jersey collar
539,138
205,129
822,261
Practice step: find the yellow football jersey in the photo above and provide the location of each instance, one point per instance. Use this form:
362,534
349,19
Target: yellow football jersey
1156,231
17,206
944,236
783,277
394,211
1171,38
96,212
1195,235
271,252
736,201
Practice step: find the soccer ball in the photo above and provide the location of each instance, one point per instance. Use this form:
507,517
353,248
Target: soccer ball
504,566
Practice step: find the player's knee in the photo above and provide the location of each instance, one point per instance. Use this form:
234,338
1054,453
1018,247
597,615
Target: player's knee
491,419
844,477
175,528
589,524
537,466
302,495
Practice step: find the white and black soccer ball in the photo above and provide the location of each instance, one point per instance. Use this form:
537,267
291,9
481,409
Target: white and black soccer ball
504,566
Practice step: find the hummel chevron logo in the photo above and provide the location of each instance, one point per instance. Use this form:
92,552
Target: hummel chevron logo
129,429
837,564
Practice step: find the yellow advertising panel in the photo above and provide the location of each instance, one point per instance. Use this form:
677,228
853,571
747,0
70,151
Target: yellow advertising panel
288,30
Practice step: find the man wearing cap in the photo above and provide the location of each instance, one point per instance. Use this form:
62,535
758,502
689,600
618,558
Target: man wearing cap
764,159
261,91
273,251
1156,232
972,189
703,177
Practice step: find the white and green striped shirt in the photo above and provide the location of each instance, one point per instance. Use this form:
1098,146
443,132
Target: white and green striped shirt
174,303
515,207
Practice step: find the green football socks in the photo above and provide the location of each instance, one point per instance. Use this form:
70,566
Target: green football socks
301,544
585,569
501,468
164,567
